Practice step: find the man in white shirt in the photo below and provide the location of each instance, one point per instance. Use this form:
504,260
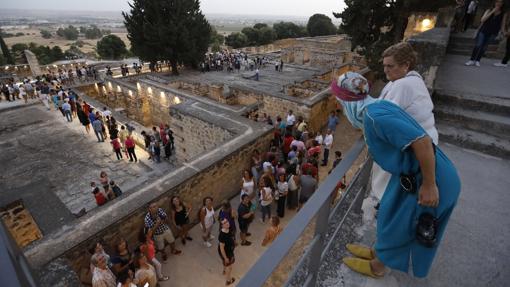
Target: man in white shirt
106,112
328,141
291,119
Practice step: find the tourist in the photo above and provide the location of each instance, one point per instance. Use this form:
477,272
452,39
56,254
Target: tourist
125,280
155,220
293,194
156,151
492,22
44,96
149,250
291,120
97,125
459,15
338,159
115,188
406,89
281,194
147,140
66,107
98,250
130,146
180,217
83,118
248,185
102,276
301,127
145,273
226,212
505,31
105,182
287,141
122,259
470,14
226,250
116,148
246,214
281,65
332,121
123,134
412,218
308,186
98,195
256,164
328,142
106,113
206,216
266,198
273,231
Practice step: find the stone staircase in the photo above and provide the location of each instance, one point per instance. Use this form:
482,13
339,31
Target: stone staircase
477,122
463,44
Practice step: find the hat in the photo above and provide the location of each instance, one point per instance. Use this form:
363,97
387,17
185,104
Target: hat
350,87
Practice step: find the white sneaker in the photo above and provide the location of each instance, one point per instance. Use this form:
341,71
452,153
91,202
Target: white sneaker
469,63
207,244
500,65
211,237
477,63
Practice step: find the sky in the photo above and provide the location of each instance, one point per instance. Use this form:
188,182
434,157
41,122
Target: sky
251,7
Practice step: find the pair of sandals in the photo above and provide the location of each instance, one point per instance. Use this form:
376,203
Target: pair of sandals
361,263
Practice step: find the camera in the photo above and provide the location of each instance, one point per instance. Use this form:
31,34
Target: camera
426,230
408,183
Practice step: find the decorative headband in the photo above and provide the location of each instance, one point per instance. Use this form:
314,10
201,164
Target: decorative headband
345,94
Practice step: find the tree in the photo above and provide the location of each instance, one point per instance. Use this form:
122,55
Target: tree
286,30
252,35
45,34
320,25
171,30
375,25
5,51
69,33
266,35
111,47
236,40
93,32
259,26
56,53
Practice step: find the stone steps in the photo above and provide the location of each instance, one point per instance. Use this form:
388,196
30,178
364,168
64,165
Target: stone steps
478,122
463,44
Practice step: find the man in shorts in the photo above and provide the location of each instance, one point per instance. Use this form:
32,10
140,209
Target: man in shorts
156,221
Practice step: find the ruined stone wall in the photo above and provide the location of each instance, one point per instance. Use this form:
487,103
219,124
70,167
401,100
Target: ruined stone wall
194,136
319,113
220,181
245,98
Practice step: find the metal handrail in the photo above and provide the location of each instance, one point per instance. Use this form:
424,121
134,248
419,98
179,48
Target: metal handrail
318,205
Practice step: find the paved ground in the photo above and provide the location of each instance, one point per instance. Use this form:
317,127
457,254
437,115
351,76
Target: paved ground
483,80
49,163
476,246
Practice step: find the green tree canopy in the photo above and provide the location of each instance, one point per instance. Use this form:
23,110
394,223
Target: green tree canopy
69,33
236,40
252,35
259,26
93,32
111,47
172,30
375,25
45,34
286,30
259,34
266,35
5,51
320,25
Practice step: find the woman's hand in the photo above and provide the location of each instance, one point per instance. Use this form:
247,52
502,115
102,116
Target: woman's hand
428,195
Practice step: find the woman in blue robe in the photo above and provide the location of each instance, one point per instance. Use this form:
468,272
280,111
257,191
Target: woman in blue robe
401,147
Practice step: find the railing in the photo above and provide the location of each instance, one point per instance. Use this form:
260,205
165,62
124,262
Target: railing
319,207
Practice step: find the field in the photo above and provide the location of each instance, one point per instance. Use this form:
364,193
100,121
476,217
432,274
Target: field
34,35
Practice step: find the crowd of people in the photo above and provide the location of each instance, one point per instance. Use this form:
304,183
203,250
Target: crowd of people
282,178
235,61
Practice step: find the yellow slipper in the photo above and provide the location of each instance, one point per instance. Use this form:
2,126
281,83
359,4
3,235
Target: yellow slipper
360,251
361,266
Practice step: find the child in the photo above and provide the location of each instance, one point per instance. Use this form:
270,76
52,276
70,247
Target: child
116,189
116,148
100,198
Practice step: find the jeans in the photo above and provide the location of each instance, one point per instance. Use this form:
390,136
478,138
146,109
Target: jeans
131,152
280,208
507,53
266,210
118,153
482,42
326,156
99,135
69,117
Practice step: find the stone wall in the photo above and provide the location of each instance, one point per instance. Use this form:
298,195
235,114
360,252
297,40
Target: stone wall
194,136
220,180
319,113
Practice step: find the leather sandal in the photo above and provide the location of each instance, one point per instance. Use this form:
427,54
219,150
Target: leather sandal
360,251
361,266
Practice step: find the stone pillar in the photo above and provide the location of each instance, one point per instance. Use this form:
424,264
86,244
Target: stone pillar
33,63
216,92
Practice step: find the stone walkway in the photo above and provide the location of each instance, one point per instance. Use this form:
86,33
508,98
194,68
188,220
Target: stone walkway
49,163
476,245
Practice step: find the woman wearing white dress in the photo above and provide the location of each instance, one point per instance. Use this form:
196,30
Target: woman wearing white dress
407,90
